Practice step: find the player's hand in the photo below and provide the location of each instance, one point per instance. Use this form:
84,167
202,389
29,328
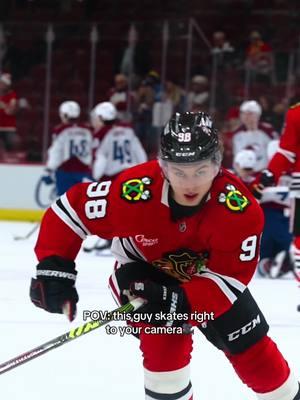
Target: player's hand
54,287
48,178
140,271
167,300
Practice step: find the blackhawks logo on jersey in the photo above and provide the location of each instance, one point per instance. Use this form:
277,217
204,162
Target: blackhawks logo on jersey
182,264
234,199
136,189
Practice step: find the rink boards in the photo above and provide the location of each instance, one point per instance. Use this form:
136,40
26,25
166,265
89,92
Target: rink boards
24,196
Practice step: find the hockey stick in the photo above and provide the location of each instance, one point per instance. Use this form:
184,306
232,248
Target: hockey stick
36,226
74,333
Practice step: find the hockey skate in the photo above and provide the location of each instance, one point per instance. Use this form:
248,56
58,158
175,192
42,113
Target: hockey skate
281,265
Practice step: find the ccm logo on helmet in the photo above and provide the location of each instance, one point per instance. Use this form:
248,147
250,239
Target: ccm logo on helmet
245,329
185,154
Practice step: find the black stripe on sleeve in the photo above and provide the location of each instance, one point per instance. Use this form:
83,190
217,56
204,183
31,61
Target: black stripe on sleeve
63,208
133,248
128,253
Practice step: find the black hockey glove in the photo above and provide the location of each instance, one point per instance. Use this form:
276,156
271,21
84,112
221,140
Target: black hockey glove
139,271
54,288
168,304
266,179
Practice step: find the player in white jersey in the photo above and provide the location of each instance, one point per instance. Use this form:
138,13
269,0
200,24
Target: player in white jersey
70,154
253,134
119,149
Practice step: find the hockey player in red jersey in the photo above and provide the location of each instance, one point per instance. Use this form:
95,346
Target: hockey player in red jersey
285,160
186,239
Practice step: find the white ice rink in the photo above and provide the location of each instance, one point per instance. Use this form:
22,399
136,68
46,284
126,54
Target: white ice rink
101,366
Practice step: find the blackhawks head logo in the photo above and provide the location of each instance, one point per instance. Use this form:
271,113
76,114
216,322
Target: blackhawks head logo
136,189
182,264
234,199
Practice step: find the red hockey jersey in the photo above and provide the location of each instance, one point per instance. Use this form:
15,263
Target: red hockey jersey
287,158
134,210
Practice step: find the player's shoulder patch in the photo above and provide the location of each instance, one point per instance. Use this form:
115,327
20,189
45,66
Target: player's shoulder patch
296,105
233,199
136,189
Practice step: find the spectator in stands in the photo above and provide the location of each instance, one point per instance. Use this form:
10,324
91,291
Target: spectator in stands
259,58
222,50
134,58
197,98
153,79
122,100
8,108
232,115
253,134
268,114
279,110
143,112
174,94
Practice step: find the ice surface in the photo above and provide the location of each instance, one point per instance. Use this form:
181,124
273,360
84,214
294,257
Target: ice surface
102,366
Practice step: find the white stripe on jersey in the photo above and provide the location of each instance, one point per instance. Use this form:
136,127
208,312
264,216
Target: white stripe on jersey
232,281
137,250
72,212
287,154
125,251
67,220
222,285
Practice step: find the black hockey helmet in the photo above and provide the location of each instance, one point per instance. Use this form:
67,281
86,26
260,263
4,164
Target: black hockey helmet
189,137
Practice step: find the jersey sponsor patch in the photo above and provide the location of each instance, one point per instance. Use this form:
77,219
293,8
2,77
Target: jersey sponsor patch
136,189
182,264
233,199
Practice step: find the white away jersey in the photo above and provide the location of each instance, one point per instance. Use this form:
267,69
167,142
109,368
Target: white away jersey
256,140
120,149
70,141
279,194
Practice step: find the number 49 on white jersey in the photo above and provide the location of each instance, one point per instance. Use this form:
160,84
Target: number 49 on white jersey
120,149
